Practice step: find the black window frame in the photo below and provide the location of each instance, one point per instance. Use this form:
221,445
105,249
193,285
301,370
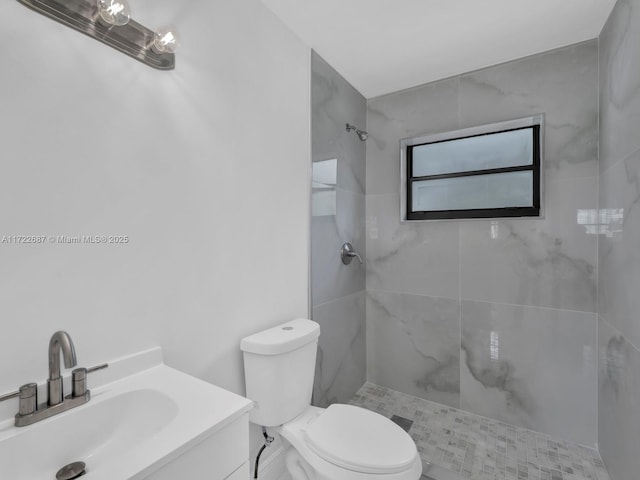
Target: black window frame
504,212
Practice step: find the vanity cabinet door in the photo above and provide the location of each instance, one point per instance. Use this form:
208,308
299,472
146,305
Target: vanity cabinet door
223,455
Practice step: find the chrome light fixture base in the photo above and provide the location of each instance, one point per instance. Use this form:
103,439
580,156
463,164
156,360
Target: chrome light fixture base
132,39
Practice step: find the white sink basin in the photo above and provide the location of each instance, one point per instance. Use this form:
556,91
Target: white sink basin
131,427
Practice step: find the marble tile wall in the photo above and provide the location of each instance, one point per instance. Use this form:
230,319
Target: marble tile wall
530,366
496,317
338,291
414,344
618,411
619,246
341,348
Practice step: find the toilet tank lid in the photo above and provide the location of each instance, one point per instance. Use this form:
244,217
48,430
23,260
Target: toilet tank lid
282,338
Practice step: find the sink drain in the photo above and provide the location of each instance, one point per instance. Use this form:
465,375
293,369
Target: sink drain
71,471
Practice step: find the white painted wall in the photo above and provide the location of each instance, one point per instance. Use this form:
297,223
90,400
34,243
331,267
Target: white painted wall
205,169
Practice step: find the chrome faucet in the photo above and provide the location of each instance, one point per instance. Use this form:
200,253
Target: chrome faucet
29,411
60,342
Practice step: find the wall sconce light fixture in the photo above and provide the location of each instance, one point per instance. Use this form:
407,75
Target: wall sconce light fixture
109,21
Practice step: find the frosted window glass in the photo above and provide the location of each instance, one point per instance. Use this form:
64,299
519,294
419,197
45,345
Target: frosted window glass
499,190
496,150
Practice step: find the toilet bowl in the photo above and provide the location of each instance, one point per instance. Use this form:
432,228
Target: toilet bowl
341,442
348,443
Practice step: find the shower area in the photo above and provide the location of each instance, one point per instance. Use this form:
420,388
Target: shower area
505,347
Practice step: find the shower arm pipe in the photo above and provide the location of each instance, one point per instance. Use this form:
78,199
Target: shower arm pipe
362,134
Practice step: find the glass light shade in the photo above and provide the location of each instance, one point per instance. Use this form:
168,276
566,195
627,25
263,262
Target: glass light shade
165,40
114,12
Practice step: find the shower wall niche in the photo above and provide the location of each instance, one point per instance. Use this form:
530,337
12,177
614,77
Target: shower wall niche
338,213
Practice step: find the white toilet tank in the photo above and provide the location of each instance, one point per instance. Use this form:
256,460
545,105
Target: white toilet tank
279,366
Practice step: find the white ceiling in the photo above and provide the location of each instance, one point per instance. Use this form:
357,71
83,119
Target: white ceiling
383,46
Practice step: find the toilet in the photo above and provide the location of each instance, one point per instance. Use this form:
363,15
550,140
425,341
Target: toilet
341,442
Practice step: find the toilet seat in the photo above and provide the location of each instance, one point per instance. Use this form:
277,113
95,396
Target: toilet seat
340,425
360,440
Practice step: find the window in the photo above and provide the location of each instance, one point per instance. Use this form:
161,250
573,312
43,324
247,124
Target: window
483,172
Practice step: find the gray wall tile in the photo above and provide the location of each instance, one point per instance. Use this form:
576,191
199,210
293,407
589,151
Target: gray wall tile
620,83
337,290
618,412
411,345
341,364
334,103
532,367
619,248
427,109
330,278
548,262
563,85
619,244
410,257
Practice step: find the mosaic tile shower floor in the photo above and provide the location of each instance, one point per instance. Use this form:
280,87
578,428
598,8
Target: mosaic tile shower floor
481,448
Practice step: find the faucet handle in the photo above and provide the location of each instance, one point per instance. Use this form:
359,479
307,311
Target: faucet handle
28,399
8,396
102,366
79,379
347,253
28,395
79,382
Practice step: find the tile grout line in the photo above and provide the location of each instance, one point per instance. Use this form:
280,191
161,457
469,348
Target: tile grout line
396,292
598,238
334,300
623,158
459,92
618,332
